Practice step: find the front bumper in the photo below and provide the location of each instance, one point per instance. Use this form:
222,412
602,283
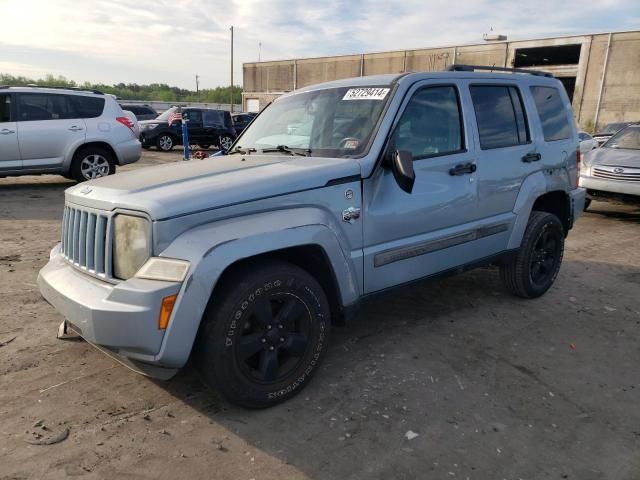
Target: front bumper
612,186
121,318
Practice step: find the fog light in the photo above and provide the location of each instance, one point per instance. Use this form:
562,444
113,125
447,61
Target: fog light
165,311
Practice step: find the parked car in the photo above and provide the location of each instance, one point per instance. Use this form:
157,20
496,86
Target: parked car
241,120
609,129
612,172
77,133
249,259
206,127
587,142
142,112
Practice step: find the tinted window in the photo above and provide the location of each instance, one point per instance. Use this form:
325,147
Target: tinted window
86,107
42,106
5,108
553,116
500,116
431,124
193,116
213,118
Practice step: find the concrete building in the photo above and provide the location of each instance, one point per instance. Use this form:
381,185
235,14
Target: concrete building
601,72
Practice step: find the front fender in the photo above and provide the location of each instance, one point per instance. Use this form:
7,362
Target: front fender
212,248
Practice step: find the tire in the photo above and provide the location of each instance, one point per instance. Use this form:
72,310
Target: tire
92,162
225,142
205,146
263,340
165,142
587,203
536,265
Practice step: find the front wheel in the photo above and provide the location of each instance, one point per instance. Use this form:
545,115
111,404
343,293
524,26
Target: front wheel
225,142
536,265
266,334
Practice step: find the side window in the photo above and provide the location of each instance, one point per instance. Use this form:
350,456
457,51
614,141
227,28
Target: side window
553,116
193,116
5,108
86,107
213,118
42,106
500,116
431,124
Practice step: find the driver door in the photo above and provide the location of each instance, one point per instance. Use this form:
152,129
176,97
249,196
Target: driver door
408,236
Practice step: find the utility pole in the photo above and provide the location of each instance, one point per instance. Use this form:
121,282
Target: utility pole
231,94
197,88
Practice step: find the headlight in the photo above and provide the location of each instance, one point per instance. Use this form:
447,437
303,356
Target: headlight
150,126
131,245
166,269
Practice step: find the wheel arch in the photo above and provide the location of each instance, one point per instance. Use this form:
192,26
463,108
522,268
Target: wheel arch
86,145
215,251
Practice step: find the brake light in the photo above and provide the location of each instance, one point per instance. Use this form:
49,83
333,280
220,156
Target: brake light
126,122
578,167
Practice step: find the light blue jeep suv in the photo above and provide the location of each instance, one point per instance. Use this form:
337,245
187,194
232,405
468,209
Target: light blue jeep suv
335,193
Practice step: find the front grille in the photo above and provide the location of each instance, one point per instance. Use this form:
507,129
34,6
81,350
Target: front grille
617,173
85,240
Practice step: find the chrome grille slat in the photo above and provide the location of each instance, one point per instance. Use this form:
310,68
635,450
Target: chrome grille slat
85,240
628,175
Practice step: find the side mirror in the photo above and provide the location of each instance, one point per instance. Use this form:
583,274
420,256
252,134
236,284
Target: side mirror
402,168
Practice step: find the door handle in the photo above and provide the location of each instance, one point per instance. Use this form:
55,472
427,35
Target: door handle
463,169
531,157
75,129
6,131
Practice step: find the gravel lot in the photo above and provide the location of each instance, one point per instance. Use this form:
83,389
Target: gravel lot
494,387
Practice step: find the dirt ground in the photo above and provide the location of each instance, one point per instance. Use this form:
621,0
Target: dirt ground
493,387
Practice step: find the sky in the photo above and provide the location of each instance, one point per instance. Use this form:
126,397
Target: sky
170,41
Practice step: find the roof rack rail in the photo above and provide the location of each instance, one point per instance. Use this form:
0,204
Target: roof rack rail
77,89
472,68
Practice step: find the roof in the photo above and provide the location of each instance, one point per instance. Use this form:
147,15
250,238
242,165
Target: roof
50,89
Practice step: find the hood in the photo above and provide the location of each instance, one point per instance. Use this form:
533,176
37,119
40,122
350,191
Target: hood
619,157
152,122
175,189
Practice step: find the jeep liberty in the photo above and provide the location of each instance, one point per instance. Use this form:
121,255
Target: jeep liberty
336,192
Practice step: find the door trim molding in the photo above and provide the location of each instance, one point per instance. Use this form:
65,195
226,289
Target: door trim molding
422,248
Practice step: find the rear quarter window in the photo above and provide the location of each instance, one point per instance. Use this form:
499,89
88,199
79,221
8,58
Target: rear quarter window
553,116
86,107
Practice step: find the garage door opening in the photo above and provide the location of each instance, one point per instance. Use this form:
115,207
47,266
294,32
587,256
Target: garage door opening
569,85
546,56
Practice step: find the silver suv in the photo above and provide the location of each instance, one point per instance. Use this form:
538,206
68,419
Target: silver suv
334,193
80,134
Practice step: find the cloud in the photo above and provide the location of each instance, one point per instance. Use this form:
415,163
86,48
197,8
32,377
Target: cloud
170,41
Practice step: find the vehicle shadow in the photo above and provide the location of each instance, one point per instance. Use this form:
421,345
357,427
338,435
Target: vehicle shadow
445,359
618,211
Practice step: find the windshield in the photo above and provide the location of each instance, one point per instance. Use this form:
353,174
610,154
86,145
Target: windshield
628,138
613,127
336,122
164,116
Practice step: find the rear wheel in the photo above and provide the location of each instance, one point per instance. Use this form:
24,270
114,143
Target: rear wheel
536,265
225,142
165,142
92,162
265,335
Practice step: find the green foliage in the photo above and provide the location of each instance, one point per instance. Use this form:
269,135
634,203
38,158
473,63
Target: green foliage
133,91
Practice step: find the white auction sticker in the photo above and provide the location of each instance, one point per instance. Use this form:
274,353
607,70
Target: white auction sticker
366,94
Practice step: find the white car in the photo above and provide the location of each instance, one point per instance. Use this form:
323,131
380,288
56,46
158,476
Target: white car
81,134
587,142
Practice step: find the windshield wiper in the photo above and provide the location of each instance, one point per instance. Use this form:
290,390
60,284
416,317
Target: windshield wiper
285,149
239,150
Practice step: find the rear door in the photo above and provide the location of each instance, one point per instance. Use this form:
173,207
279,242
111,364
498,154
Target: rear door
47,129
9,150
214,125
